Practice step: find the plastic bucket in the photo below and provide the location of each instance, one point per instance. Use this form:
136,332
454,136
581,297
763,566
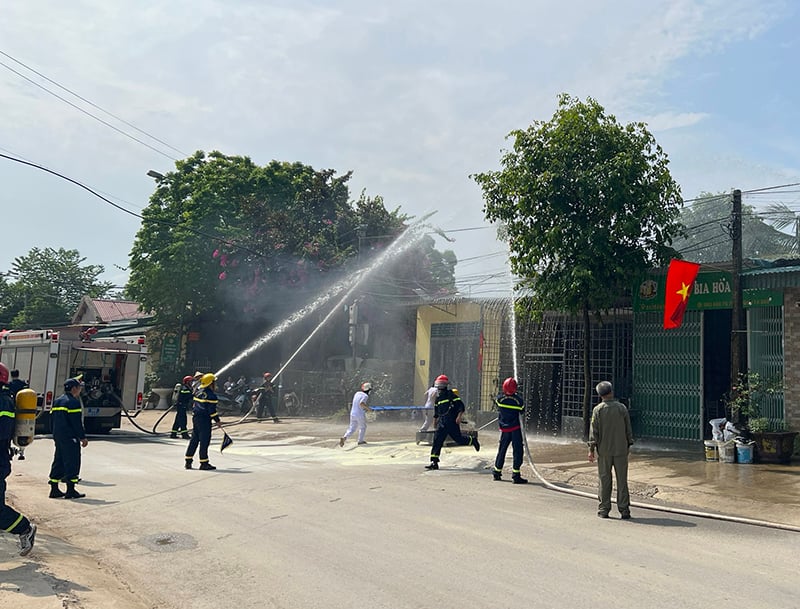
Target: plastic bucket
727,452
711,450
744,452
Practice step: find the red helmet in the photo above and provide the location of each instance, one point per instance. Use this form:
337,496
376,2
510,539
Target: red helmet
187,380
441,382
267,375
3,374
509,386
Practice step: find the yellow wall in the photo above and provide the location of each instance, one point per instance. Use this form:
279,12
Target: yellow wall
436,314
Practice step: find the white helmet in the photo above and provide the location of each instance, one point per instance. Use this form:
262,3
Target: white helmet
366,386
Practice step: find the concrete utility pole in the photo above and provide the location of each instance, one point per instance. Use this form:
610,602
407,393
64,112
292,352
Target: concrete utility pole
738,321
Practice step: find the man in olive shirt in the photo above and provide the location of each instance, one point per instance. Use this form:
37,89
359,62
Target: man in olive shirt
610,435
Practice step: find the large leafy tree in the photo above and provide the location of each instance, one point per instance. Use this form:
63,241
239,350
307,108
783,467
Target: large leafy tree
588,205
224,238
707,234
47,287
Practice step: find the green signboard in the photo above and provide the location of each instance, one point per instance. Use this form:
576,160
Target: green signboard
169,350
711,290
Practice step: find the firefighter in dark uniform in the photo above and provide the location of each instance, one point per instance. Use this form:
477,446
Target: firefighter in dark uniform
265,396
68,434
183,401
204,410
16,383
509,410
447,418
11,521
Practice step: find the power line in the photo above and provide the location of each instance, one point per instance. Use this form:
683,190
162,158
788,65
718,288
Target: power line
134,214
94,105
87,113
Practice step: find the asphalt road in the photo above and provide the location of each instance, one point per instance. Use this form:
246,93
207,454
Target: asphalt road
296,522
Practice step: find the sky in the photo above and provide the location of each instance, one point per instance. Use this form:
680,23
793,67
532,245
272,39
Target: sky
413,96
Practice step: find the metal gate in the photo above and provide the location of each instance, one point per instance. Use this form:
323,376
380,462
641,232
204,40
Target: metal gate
765,355
454,352
667,378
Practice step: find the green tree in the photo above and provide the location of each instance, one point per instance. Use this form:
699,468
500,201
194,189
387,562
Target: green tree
224,238
48,286
588,205
707,238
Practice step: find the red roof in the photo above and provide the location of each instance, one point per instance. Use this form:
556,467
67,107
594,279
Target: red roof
116,310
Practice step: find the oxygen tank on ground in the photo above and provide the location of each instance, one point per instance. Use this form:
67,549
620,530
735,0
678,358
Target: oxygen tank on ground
25,418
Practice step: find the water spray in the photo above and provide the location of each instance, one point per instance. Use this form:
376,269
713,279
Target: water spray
410,236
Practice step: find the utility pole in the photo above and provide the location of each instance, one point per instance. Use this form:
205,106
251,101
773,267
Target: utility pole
738,322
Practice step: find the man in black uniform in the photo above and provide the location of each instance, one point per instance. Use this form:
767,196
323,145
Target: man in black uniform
69,437
447,418
16,383
183,402
509,409
11,521
204,410
265,398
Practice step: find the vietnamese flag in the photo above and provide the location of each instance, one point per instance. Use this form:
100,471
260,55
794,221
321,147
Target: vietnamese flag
680,279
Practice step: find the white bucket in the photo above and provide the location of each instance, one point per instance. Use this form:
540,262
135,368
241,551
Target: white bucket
711,450
727,451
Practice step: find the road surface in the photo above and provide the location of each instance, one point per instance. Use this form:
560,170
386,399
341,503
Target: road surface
292,521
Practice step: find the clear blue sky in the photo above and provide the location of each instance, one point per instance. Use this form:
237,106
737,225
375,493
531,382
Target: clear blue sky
413,96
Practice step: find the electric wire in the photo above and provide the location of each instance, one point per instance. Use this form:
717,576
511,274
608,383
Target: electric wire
91,103
87,113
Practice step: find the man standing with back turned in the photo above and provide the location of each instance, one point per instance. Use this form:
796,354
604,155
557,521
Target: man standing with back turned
610,434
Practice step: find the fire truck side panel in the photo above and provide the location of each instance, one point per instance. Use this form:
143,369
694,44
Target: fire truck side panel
112,371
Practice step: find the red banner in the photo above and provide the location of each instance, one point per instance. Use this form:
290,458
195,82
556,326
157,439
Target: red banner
680,280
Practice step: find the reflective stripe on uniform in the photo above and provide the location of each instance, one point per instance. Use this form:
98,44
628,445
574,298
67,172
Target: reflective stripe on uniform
15,523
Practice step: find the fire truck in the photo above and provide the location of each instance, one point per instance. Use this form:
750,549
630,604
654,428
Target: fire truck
112,370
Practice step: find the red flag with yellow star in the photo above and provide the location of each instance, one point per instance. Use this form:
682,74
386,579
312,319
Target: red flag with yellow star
680,279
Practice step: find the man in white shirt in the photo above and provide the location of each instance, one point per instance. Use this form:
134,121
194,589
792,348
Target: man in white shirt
358,414
430,402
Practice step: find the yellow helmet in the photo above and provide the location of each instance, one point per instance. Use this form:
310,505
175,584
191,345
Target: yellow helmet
207,379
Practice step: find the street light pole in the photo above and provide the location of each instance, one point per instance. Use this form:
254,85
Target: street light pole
155,175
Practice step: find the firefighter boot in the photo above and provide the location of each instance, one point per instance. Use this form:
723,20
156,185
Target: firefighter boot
185,436
72,493
476,444
516,478
497,475
207,466
433,465
55,492
188,463
173,435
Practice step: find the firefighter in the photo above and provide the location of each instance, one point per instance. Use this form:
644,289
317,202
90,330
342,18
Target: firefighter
509,409
265,394
182,401
16,383
447,418
196,381
204,410
11,521
69,436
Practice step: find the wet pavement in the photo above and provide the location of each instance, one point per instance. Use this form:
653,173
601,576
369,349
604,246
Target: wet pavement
674,476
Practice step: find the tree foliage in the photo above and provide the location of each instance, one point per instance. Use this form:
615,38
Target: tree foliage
223,236
588,206
707,232
47,287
